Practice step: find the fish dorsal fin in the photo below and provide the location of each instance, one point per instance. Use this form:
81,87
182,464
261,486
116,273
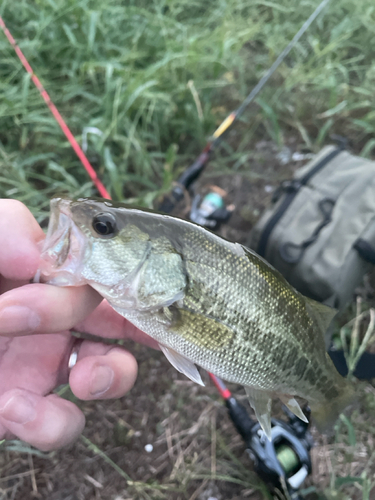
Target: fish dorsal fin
294,407
182,364
321,314
261,403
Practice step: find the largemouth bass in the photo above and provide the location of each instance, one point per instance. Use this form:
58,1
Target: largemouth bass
206,301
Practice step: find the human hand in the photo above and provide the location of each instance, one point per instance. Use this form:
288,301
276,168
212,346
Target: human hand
35,342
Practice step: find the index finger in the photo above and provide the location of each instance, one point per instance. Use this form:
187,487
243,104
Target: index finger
104,321
19,253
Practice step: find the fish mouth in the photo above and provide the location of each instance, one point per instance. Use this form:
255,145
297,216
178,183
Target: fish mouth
63,249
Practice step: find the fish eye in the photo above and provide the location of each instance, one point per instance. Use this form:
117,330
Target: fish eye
104,224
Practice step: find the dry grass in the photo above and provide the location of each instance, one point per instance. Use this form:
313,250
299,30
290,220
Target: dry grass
196,452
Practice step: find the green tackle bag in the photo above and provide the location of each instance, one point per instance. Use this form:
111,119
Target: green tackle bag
320,230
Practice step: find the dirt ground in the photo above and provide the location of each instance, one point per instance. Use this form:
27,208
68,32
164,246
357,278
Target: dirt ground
170,438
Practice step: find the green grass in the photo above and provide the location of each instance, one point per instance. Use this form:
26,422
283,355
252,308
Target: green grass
124,67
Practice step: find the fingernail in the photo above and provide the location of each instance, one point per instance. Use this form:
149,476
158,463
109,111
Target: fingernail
18,319
101,380
19,409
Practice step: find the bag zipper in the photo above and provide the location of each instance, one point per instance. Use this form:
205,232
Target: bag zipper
292,188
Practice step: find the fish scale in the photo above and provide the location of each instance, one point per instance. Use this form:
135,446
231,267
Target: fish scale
206,301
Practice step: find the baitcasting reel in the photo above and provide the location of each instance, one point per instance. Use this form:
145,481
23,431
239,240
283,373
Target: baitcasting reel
284,462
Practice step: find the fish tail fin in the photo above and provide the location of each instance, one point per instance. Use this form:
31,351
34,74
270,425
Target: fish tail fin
325,414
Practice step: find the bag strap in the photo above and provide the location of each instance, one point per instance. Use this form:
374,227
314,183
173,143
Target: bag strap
293,253
292,188
365,250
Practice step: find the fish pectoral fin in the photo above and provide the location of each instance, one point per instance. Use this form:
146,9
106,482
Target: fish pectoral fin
321,314
294,407
261,403
182,364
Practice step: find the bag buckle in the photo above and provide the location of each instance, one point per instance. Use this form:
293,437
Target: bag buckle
288,186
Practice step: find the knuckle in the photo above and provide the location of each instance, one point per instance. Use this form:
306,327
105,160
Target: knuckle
14,206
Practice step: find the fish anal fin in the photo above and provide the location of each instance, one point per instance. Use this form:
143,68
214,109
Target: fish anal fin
182,364
294,407
321,314
261,403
